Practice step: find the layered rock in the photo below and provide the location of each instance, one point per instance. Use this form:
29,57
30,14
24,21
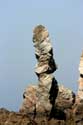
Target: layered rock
41,98
80,87
47,102
66,98
78,109
17,118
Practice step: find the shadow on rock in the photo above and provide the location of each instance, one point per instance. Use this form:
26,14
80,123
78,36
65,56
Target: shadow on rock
57,113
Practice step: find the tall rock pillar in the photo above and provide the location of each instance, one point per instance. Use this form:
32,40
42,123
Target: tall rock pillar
41,97
46,64
80,89
78,107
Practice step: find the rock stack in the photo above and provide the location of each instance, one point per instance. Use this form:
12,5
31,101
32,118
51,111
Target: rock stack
80,90
78,110
41,98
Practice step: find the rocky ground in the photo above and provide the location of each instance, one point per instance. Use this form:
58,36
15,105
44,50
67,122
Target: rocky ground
65,112
13,118
17,118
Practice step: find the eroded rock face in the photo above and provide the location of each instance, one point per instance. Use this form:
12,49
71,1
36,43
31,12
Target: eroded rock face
17,118
78,110
46,98
66,98
42,97
14,118
80,86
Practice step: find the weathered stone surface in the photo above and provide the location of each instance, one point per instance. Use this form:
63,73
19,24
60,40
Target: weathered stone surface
47,103
78,112
17,118
14,118
66,98
81,64
78,109
42,97
3,115
46,98
80,86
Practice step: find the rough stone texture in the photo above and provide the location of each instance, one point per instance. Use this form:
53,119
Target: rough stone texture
41,98
66,98
81,64
78,108
46,99
78,112
17,118
47,103
80,87
14,118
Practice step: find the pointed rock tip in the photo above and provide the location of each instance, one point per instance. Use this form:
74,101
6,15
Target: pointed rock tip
82,54
38,28
39,33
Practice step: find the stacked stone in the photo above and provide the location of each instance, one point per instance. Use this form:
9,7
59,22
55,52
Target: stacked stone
46,64
78,108
65,98
42,97
80,90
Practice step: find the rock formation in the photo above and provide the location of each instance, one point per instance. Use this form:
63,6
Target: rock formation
79,99
14,118
17,118
80,89
66,98
47,103
46,98
41,98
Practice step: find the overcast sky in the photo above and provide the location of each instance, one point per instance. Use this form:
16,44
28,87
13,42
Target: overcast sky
63,19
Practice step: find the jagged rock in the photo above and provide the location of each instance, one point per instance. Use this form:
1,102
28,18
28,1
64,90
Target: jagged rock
66,98
14,118
78,108
63,104
42,97
47,103
81,64
80,87
3,115
78,112
46,98
17,118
